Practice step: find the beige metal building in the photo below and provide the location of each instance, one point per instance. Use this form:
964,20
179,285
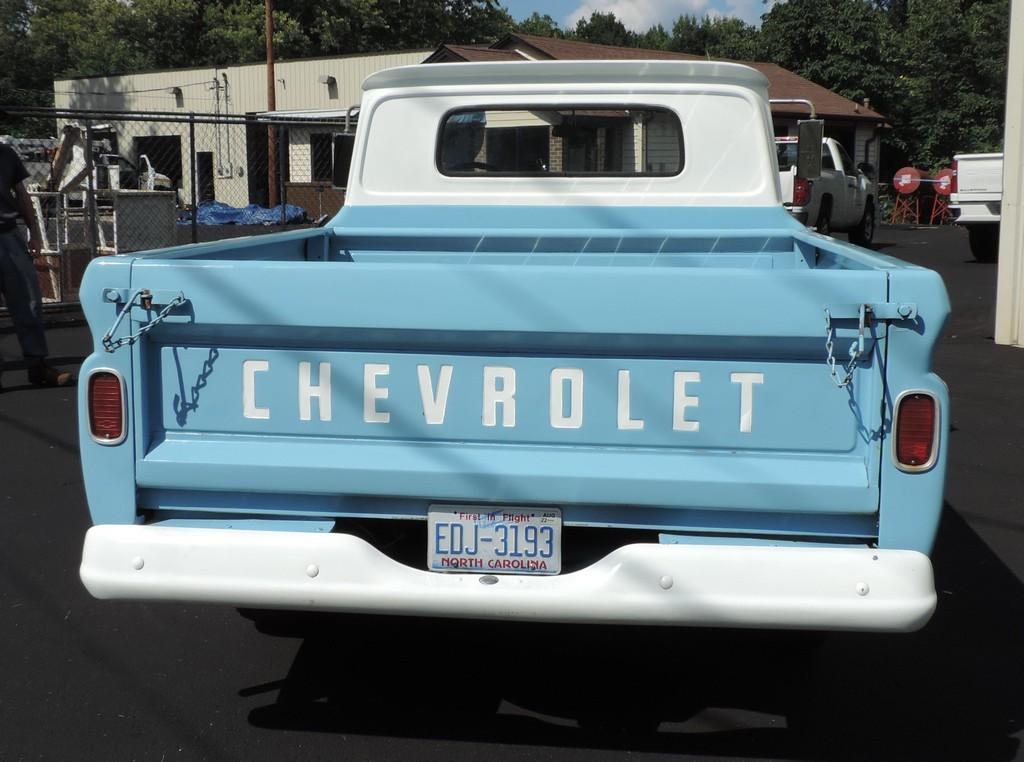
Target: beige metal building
230,158
238,89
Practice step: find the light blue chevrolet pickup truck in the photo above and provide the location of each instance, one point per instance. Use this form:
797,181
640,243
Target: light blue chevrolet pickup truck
563,356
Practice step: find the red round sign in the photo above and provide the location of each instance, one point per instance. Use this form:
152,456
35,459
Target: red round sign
907,180
943,181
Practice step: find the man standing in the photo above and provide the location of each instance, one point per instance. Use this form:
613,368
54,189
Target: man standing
18,282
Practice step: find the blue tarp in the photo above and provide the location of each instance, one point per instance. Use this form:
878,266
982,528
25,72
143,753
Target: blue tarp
218,213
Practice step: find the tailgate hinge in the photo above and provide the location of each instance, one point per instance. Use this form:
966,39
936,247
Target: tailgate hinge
878,310
145,299
863,313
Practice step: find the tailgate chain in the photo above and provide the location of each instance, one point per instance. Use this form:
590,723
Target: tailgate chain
856,349
145,300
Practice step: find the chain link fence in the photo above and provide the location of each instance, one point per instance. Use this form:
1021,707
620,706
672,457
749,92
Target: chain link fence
108,182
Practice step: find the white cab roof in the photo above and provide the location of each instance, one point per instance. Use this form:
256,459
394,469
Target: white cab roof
577,72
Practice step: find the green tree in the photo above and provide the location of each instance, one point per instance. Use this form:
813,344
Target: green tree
988,29
172,31
731,38
355,26
687,35
954,68
655,38
542,26
935,68
604,29
74,38
349,26
233,33
21,83
716,38
845,45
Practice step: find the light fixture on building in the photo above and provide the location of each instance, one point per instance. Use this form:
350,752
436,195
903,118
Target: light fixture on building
175,91
327,79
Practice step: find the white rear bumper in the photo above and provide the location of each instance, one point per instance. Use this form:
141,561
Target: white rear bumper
706,585
976,213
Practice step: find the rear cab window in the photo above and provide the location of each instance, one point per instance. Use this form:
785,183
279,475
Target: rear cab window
826,158
577,141
786,153
847,161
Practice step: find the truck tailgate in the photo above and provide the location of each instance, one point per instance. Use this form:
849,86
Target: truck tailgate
980,177
687,388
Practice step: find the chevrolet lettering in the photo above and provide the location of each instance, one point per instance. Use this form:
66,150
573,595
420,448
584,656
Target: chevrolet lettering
562,356
497,393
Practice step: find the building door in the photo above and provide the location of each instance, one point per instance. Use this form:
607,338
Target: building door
204,176
580,150
256,160
164,154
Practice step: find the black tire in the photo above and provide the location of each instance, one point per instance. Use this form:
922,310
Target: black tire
824,222
864,233
984,242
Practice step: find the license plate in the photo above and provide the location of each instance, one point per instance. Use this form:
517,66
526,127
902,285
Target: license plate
492,540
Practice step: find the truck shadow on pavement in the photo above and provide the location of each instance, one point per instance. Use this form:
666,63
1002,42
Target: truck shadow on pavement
951,691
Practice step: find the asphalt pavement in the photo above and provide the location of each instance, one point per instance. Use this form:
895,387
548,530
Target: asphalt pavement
82,679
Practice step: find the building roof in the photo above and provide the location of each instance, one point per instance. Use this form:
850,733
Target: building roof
576,50
782,83
520,72
474,53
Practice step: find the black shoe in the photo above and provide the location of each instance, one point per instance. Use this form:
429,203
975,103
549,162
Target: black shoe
41,374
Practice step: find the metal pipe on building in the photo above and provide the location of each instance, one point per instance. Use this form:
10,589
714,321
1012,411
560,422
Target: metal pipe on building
195,177
271,107
216,128
802,101
227,135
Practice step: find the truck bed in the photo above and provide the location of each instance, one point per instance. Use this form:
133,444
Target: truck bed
733,307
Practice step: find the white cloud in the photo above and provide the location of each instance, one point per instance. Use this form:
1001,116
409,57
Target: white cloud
641,15
749,10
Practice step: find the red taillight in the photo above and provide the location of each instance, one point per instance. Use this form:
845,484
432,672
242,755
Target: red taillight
953,185
801,191
915,430
106,407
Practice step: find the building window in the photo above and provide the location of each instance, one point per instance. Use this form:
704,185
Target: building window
321,144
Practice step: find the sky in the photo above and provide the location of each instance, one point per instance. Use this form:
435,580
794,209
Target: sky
637,15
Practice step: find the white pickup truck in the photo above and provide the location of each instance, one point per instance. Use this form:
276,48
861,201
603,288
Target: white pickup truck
977,194
843,199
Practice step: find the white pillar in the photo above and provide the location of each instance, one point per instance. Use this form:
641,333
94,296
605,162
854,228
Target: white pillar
1010,289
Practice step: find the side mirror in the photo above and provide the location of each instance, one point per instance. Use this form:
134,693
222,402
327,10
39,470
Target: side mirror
867,168
343,144
808,148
